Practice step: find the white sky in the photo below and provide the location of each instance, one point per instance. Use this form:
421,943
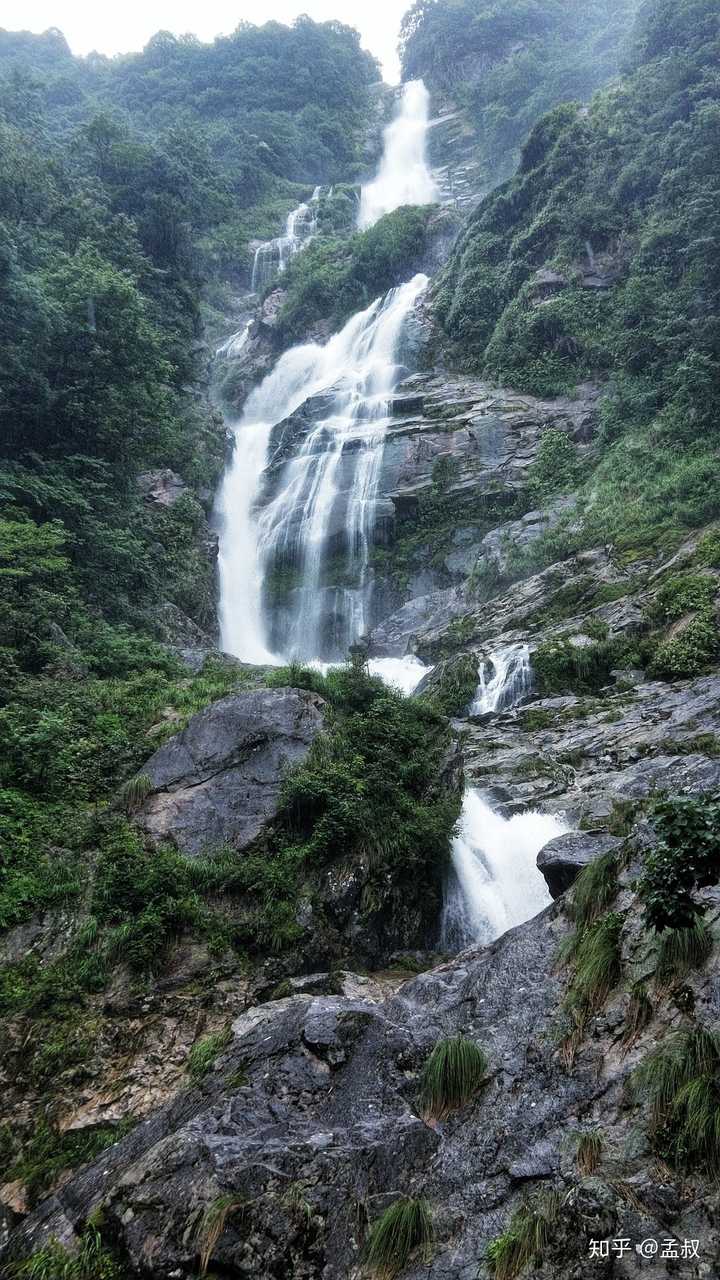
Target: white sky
120,26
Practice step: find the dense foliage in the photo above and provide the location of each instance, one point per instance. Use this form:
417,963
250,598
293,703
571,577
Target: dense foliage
123,184
599,259
333,278
507,62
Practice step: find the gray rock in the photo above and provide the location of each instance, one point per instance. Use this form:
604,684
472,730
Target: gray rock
562,859
161,488
218,782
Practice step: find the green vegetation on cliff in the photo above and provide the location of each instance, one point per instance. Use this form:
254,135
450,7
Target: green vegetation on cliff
599,260
507,62
334,277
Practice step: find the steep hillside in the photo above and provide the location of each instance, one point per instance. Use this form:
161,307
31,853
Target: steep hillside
503,65
597,262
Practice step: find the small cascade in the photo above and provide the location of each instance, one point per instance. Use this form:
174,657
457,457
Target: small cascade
404,674
404,176
272,257
494,883
505,680
314,534
233,345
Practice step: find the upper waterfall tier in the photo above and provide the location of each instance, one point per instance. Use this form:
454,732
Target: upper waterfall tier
404,176
295,545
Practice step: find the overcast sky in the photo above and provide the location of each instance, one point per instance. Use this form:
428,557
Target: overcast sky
124,25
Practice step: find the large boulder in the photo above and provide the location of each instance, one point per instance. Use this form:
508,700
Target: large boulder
562,859
218,782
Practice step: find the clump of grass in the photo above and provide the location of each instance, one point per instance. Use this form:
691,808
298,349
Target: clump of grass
525,1239
204,1052
595,954
132,793
597,965
594,890
679,951
638,1015
680,1082
589,1152
91,1261
212,1225
452,1075
404,1229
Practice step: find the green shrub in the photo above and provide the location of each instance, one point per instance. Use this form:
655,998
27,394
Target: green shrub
526,1238
452,1075
691,653
49,1153
679,1080
685,593
453,686
686,857
556,468
369,789
562,667
203,1053
403,1231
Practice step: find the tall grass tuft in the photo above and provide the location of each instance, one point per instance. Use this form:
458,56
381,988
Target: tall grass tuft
404,1229
203,1053
680,1082
132,793
597,966
594,890
526,1238
638,1015
212,1225
452,1076
679,951
589,1152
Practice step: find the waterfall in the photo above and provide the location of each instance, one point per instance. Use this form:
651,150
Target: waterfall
314,533
495,883
233,345
504,681
272,257
403,176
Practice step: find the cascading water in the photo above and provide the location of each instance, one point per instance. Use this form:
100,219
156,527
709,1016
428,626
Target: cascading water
272,257
504,680
233,345
404,176
495,883
317,527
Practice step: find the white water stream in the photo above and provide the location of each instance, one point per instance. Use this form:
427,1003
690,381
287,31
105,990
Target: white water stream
299,514
505,679
496,884
272,256
320,514
404,176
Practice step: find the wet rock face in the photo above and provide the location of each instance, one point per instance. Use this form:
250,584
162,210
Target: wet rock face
562,859
311,1123
218,782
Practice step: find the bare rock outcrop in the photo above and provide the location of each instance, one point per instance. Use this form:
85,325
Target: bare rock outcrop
218,782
